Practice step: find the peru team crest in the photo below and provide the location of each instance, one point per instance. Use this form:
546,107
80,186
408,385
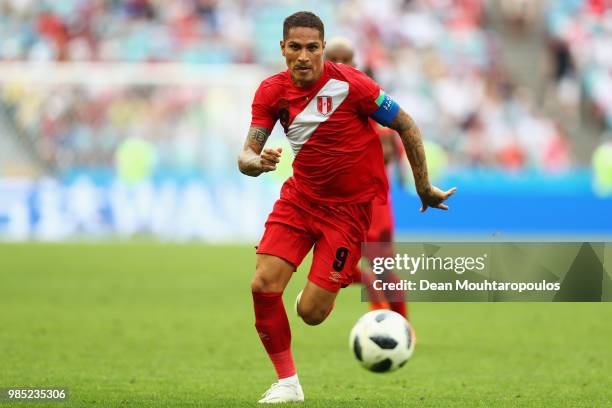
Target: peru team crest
324,104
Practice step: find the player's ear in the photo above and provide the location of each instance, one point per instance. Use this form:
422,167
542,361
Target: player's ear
282,45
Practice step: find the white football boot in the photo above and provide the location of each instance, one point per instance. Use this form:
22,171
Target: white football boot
283,391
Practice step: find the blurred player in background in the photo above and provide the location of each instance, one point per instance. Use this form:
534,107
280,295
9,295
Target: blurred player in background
338,172
340,51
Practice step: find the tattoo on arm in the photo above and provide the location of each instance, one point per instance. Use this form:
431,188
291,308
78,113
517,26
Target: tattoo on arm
415,152
259,135
249,161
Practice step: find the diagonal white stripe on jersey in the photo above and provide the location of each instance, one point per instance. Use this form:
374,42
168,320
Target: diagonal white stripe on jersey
307,121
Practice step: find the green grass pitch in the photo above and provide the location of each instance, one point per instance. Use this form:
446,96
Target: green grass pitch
151,325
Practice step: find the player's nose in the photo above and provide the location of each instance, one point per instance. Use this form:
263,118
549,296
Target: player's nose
303,57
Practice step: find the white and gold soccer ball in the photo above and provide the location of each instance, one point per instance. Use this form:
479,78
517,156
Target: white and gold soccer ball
382,341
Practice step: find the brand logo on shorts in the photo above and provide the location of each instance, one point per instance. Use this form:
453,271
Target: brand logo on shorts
324,104
334,276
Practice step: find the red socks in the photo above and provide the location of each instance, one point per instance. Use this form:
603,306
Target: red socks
400,307
273,328
397,297
366,278
394,300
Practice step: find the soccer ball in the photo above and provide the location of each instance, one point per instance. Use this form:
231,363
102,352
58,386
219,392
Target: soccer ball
382,341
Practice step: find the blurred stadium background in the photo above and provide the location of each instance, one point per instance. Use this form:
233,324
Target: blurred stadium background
123,118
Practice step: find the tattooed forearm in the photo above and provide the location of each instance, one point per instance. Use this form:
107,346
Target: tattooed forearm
258,135
249,161
413,144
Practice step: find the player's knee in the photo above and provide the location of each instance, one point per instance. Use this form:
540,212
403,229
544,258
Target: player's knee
312,316
314,319
265,282
258,284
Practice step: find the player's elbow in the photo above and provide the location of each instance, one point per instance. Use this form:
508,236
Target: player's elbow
243,166
248,163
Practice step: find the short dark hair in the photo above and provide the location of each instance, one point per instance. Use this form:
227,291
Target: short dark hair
303,19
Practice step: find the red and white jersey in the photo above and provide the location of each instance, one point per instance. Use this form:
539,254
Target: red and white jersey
338,155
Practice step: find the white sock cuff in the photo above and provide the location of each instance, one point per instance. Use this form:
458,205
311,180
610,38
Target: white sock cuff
290,380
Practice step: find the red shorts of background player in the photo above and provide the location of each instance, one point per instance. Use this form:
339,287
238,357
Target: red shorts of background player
336,231
381,228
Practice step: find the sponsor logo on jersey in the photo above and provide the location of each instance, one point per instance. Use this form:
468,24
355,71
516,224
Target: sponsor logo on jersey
324,104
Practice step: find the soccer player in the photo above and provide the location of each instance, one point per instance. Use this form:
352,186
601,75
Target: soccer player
338,171
340,50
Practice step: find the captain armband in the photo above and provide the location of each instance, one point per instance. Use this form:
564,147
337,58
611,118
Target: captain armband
387,109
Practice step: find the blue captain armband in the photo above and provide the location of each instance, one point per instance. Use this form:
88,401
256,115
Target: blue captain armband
387,109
